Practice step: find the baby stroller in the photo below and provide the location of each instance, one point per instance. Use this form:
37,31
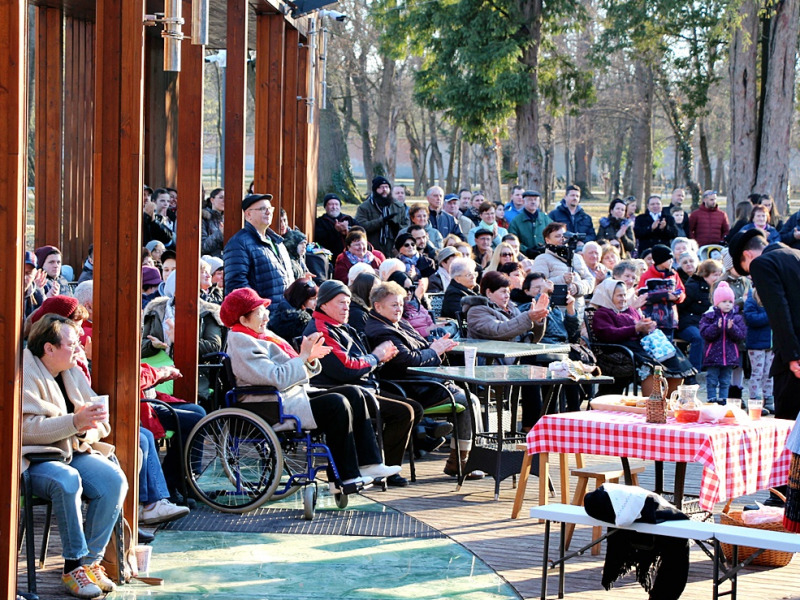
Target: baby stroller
243,454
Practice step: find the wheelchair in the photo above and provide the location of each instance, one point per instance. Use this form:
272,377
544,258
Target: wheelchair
246,453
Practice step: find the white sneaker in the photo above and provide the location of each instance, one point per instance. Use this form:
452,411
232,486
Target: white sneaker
79,583
380,470
98,575
162,511
364,480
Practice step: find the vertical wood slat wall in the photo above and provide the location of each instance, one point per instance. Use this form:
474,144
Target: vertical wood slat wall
289,121
13,168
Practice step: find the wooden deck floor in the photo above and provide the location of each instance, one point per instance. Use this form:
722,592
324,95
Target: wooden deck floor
513,548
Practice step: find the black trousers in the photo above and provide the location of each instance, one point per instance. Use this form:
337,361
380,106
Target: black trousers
787,393
342,414
399,417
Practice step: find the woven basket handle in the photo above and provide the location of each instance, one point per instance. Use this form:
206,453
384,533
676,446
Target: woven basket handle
772,490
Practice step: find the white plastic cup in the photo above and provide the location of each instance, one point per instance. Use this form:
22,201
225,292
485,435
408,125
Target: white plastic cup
470,358
143,554
734,403
754,406
101,401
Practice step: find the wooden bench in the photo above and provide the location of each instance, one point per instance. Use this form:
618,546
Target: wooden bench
700,532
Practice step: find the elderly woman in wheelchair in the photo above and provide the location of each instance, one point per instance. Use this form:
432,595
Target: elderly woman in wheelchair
259,359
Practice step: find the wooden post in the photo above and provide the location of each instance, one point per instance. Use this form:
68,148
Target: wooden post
310,155
289,164
305,204
190,164
118,220
48,162
13,140
270,31
235,115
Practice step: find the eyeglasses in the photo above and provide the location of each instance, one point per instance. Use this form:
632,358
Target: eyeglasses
506,254
409,245
263,209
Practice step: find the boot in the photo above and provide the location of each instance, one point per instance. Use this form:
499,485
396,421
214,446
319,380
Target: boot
451,468
735,392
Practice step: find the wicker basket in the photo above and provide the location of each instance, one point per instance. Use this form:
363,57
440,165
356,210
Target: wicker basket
768,558
656,410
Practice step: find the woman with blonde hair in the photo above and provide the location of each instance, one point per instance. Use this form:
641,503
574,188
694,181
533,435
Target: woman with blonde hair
503,254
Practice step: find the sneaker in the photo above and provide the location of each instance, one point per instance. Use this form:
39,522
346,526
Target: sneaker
162,511
379,470
79,583
97,573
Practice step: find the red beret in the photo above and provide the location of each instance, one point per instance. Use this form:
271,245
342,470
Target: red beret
238,303
60,305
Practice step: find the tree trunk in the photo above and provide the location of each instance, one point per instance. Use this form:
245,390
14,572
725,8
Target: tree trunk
567,146
616,167
549,152
640,135
464,162
333,169
417,154
451,163
744,114
529,158
437,175
491,158
364,110
705,159
773,163
391,159
719,176
383,116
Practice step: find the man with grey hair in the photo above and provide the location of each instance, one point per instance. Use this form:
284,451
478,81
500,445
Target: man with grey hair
463,283
441,221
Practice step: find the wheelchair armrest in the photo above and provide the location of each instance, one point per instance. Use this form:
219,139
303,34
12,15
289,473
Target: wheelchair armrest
397,389
170,409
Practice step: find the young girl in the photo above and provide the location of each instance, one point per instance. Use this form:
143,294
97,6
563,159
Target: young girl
759,349
721,327
664,290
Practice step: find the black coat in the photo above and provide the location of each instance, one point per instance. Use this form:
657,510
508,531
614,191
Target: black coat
359,314
288,322
697,302
451,303
413,349
325,233
646,237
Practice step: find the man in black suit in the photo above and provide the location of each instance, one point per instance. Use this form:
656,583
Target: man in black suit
775,270
655,226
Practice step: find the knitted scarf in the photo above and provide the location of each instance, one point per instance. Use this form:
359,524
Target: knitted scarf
368,257
409,261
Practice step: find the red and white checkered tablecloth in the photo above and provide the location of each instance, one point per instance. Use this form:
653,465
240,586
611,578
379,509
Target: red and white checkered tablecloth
737,459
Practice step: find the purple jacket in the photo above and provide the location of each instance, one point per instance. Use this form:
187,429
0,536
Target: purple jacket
721,342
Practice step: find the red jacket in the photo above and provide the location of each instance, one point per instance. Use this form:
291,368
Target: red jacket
708,225
148,377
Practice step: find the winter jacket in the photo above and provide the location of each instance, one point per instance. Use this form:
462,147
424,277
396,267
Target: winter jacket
286,321
580,222
759,333
343,265
34,296
787,231
212,332
722,348
359,313
772,234
501,233
608,229
418,317
258,262
212,233
87,273
291,241
370,218
615,327
257,362
528,228
554,268
156,228
413,350
560,327
325,233
659,307
438,282
697,302
647,237
740,285
349,362
435,239
451,302
445,224
708,225
487,321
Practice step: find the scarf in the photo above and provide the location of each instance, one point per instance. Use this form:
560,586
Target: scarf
445,277
383,204
408,261
603,295
280,342
368,257
561,252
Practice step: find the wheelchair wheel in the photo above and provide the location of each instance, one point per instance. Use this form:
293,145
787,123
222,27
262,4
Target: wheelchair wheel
294,463
341,499
309,501
233,460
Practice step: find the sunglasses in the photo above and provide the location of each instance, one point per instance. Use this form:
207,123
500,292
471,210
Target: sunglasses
409,245
505,254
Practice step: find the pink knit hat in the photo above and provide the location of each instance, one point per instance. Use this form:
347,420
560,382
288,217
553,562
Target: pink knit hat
723,292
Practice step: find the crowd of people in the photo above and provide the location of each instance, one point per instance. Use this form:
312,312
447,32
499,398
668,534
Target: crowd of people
331,323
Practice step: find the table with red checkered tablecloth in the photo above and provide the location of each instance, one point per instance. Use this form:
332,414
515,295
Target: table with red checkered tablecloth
737,459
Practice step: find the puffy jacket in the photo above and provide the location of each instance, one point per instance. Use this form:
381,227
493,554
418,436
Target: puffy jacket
451,302
418,317
554,268
212,240
87,273
697,302
371,219
708,225
787,231
413,350
252,261
759,333
608,229
349,361
659,307
487,321
288,322
445,224
772,234
359,313
722,348
212,332
528,228
580,222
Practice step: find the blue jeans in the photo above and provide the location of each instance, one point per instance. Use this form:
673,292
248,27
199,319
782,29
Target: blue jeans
188,415
718,377
152,485
101,482
692,335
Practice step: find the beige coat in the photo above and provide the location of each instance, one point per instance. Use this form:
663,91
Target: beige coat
47,426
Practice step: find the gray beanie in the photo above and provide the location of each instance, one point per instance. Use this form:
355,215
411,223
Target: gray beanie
330,289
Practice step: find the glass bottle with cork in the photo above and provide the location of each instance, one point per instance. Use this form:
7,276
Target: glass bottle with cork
657,402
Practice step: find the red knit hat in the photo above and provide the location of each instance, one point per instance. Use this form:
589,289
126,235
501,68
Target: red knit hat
238,303
60,305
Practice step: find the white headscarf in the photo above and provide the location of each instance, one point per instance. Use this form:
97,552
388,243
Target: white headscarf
603,294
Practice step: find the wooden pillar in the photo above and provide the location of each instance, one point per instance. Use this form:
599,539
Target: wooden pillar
305,209
190,164
78,141
289,165
270,33
235,114
118,215
13,140
48,161
311,156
